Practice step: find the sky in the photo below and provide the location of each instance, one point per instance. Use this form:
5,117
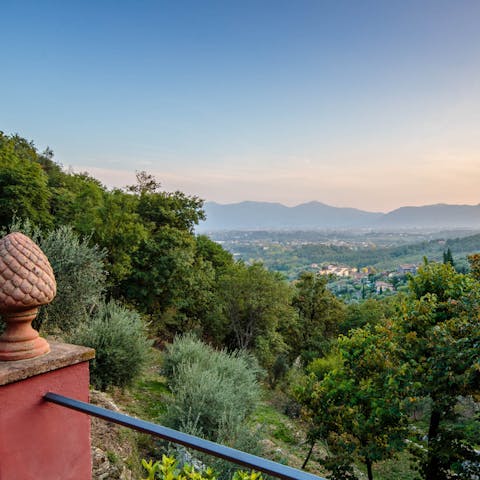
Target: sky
367,104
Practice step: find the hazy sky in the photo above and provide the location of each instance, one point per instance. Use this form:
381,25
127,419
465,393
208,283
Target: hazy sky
371,104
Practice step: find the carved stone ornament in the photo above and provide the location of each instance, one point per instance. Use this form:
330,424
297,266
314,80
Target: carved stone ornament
26,283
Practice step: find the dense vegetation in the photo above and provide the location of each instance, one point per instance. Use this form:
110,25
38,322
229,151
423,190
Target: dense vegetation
370,381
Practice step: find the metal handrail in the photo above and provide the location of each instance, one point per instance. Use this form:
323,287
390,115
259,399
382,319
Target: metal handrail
236,456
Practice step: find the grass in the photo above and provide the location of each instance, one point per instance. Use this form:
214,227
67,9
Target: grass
398,468
284,438
145,398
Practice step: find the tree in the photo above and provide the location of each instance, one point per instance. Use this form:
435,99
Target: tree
448,257
117,226
440,330
146,183
170,282
159,208
160,268
320,315
352,401
255,307
214,253
23,185
75,200
369,312
474,261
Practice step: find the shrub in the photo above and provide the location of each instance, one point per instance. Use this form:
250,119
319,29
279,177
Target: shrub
80,274
214,392
120,342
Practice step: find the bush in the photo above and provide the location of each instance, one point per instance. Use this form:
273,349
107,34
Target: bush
214,392
120,342
168,469
79,271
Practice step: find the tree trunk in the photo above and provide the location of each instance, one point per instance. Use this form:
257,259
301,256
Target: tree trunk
368,462
431,472
308,456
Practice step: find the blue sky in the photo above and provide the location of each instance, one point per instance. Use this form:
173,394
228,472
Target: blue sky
372,104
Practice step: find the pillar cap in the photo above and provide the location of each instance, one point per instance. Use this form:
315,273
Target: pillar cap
61,355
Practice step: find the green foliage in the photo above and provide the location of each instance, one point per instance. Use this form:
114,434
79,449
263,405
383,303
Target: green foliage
168,469
169,275
150,254
212,252
255,310
320,367
119,229
320,315
353,403
80,275
368,312
214,391
75,198
448,257
109,218
291,252
279,370
23,185
159,208
439,330
121,346
474,261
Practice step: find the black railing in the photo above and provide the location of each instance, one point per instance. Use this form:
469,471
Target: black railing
236,456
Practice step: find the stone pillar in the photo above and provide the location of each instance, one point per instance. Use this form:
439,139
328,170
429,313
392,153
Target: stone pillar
40,440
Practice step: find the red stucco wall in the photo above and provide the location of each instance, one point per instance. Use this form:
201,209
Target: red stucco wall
40,440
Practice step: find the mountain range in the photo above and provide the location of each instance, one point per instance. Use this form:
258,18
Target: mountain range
316,215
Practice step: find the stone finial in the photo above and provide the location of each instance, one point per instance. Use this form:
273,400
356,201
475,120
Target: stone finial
26,283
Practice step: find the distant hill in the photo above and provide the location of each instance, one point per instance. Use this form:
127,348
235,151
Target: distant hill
433,216
316,215
264,215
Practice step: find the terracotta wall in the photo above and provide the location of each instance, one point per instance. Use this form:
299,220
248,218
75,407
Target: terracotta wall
40,440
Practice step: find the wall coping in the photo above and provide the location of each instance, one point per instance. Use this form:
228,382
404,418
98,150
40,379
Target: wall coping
61,355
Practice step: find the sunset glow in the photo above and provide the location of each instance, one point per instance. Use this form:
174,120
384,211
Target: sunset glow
367,104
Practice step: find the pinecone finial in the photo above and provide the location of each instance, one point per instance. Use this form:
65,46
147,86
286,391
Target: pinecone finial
26,282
